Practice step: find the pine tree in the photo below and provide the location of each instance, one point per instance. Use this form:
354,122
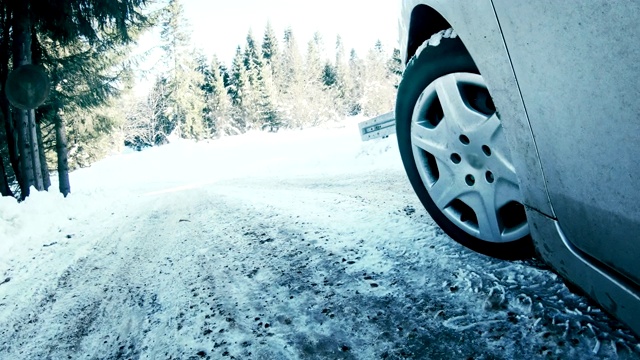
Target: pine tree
329,75
204,68
66,21
314,66
356,84
186,100
190,99
60,23
377,92
315,106
253,99
343,84
239,91
253,59
84,77
395,67
157,102
226,77
270,48
291,61
269,115
292,81
218,103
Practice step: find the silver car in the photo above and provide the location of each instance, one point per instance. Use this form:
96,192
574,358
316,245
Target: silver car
518,123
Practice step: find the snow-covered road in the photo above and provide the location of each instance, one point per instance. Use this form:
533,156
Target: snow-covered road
300,245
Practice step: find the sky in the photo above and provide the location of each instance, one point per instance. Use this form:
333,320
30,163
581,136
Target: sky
220,26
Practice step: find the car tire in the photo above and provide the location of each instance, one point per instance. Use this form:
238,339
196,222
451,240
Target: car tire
455,152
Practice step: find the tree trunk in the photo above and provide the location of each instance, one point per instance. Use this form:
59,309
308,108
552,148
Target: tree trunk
35,151
26,163
36,58
61,150
46,180
25,122
12,135
4,184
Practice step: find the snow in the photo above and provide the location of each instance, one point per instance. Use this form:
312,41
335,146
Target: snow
435,40
297,245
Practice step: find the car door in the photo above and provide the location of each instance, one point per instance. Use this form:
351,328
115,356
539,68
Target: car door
577,65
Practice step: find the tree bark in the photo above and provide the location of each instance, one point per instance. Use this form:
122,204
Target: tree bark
10,130
25,120
36,58
46,180
11,134
35,151
61,150
5,190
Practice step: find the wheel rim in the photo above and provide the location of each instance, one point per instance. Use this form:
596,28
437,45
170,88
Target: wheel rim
464,161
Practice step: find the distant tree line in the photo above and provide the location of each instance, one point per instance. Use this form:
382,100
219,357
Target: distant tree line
270,85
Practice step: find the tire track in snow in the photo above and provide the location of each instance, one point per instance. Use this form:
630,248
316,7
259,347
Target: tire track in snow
496,303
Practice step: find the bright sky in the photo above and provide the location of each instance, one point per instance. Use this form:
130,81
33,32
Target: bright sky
220,26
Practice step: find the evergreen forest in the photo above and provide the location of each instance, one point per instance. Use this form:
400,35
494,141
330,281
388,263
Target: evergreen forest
274,82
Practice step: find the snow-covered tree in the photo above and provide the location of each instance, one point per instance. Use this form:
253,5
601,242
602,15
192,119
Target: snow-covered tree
316,104
395,67
355,85
270,47
240,91
343,82
185,102
270,117
253,60
146,123
218,111
377,88
291,83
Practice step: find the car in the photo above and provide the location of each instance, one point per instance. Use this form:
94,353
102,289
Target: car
518,124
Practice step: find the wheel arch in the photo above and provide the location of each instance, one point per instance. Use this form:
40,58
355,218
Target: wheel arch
425,21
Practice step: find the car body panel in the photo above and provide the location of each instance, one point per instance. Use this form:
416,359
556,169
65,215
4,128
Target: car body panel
614,294
581,200
578,73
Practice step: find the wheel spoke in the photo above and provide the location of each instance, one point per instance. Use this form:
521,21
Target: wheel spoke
491,129
427,140
456,110
506,179
507,192
446,189
483,204
506,187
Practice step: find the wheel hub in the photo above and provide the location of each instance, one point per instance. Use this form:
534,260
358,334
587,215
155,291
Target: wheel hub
464,161
476,161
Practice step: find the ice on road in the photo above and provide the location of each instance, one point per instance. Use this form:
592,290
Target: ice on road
297,245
